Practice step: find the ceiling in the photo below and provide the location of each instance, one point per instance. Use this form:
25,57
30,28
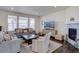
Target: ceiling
34,10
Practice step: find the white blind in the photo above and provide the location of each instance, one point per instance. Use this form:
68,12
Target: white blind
12,22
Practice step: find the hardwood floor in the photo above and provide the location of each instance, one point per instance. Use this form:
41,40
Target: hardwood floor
66,48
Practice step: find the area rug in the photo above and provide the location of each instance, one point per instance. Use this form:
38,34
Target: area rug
52,47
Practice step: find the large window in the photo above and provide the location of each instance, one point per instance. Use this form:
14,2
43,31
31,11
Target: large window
12,22
32,23
23,22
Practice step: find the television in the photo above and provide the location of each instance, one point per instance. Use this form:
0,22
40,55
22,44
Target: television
49,24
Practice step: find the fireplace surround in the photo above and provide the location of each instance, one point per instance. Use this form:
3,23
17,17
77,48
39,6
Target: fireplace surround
72,31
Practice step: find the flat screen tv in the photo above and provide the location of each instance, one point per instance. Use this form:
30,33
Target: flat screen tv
49,24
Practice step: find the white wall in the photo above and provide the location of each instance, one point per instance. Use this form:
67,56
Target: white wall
4,18
62,17
72,12
37,24
59,19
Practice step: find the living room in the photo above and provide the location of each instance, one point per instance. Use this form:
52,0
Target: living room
25,28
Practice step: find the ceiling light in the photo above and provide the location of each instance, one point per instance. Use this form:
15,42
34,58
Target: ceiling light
12,8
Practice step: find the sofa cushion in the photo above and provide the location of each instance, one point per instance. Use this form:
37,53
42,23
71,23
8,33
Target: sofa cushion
25,30
19,30
30,30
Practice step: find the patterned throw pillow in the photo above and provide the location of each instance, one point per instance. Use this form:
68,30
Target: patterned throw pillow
7,37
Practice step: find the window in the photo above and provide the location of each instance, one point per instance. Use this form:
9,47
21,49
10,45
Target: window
23,22
12,23
32,23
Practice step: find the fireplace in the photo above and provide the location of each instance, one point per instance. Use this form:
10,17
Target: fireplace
72,33
0,28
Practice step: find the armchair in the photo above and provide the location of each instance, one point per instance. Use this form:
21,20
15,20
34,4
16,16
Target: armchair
41,45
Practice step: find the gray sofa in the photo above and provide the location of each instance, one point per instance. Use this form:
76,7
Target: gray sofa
19,32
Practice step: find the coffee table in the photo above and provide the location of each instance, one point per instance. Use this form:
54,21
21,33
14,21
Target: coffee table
29,37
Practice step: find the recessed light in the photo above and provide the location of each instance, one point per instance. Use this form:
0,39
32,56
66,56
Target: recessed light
55,6
12,8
